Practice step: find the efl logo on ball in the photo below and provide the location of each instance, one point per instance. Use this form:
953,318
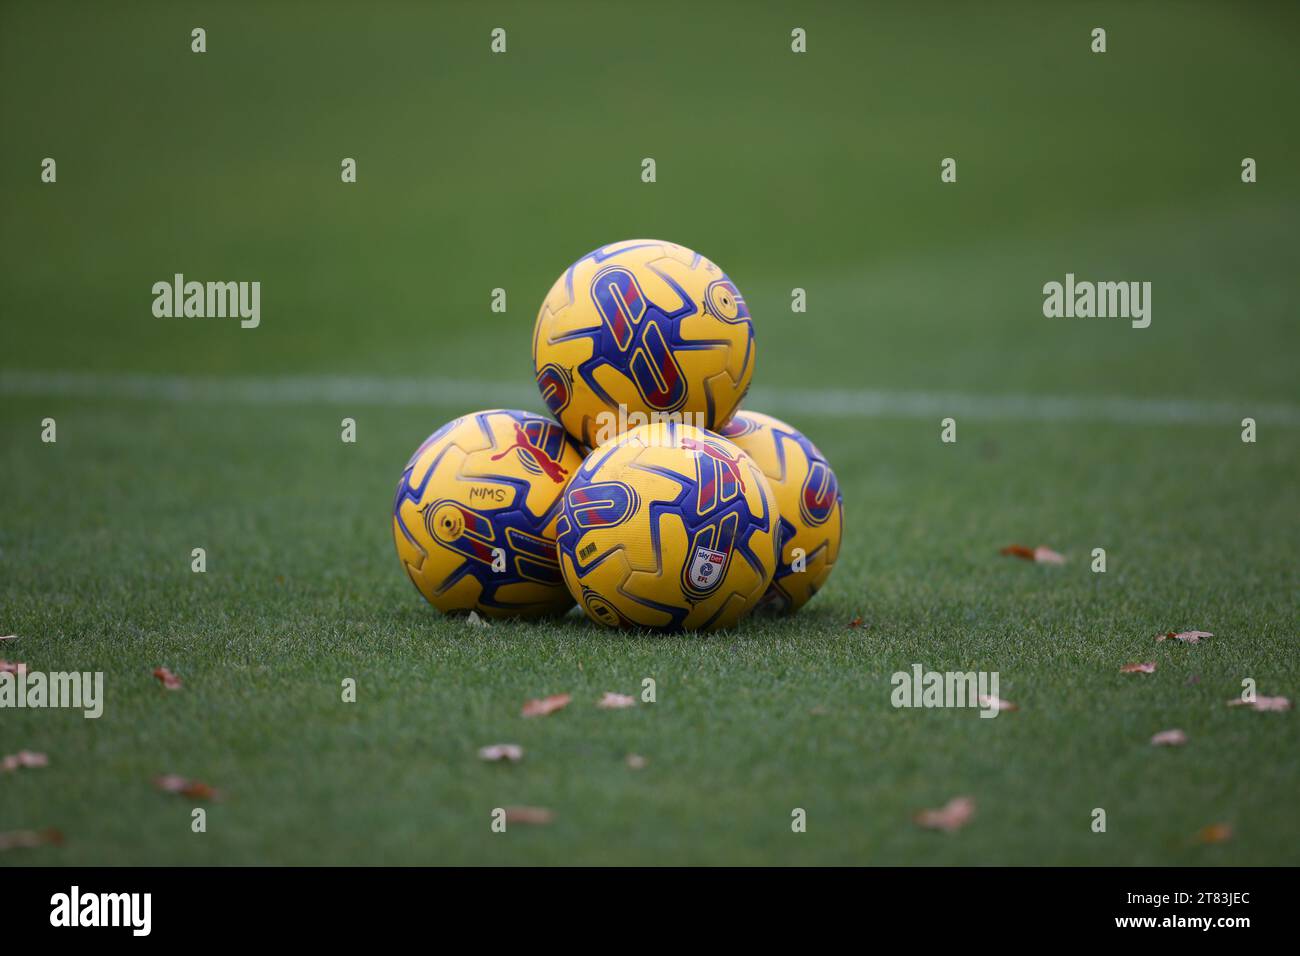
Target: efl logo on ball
706,570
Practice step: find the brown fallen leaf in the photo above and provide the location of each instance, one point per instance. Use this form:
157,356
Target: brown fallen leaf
546,705
531,816
1169,738
1274,704
856,622
949,818
196,789
169,680
12,667
1039,555
24,758
1187,637
511,752
1214,833
989,702
25,839
1147,667
636,761
612,701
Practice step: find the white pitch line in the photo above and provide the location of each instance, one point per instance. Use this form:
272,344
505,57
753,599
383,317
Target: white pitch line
288,390
1028,408
477,393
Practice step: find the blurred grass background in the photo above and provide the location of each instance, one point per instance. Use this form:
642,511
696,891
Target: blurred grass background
819,171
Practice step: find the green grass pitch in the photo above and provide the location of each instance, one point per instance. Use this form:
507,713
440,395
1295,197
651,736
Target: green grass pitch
818,171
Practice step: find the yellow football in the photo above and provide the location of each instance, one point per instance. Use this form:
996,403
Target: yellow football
668,526
807,497
642,331
476,510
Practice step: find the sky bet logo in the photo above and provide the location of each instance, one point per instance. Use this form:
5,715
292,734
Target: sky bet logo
102,909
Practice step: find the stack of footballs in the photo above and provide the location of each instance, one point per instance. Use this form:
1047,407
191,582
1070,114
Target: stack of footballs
648,498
